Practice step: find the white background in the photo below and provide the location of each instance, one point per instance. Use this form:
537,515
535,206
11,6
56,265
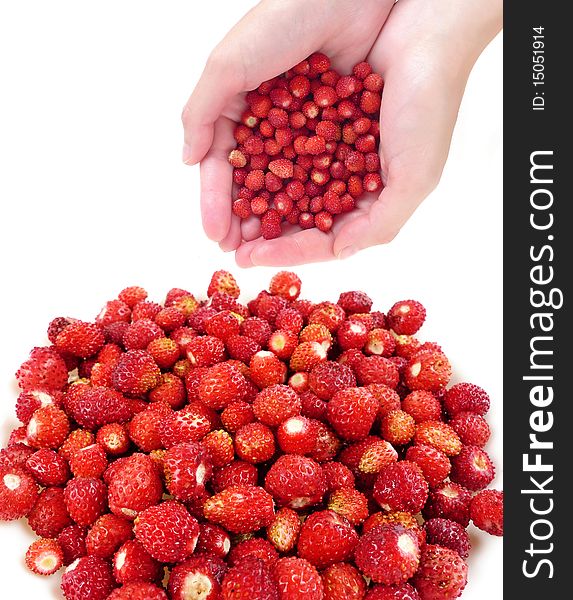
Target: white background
93,198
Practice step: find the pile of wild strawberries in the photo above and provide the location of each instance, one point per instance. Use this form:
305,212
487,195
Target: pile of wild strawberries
278,450
307,146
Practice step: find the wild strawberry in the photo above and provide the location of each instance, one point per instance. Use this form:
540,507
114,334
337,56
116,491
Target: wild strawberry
271,225
18,493
30,401
296,481
254,548
442,574
80,339
49,515
306,355
406,317
205,351
236,472
449,501
449,534
466,397
316,332
48,427
113,438
327,444
241,347
370,455
48,467
297,579
276,403
401,486
138,590
219,447
299,382
251,578
403,518
403,591
376,369
423,406
266,370
16,456
190,424
107,534
327,378
486,511
136,373
328,314
284,529
132,295
213,539
145,428
44,557
223,324
140,333
289,319
146,310
472,468
133,563
397,427
297,435
187,469
388,399
434,464
193,579
167,531
429,371
87,578
221,385
86,499
355,302
337,476
472,429
349,503
388,554
351,412
237,159
237,415
240,508
342,580
283,343
134,485
95,406
72,542
438,435
326,538
255,443
90,461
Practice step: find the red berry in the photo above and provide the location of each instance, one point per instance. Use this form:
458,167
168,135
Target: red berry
138,590
434,464
44,557
401,486
249,579
472,468
350,504
87,578
167,531
284,529
107,534
48,427
466,397
388,554
187,469
449,501
403,591
275,404
442,574
449,534
132,563
48,467
351,412
486,511
297,579
18,493
86,499
326,538
342,580
240,508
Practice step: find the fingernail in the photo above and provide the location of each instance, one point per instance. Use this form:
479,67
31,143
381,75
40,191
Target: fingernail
186,153
347,252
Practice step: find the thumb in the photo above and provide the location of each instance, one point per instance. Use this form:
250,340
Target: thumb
219,82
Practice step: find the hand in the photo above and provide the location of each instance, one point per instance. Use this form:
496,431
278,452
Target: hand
425,52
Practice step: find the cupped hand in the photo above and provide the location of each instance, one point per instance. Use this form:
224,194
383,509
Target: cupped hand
424,51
